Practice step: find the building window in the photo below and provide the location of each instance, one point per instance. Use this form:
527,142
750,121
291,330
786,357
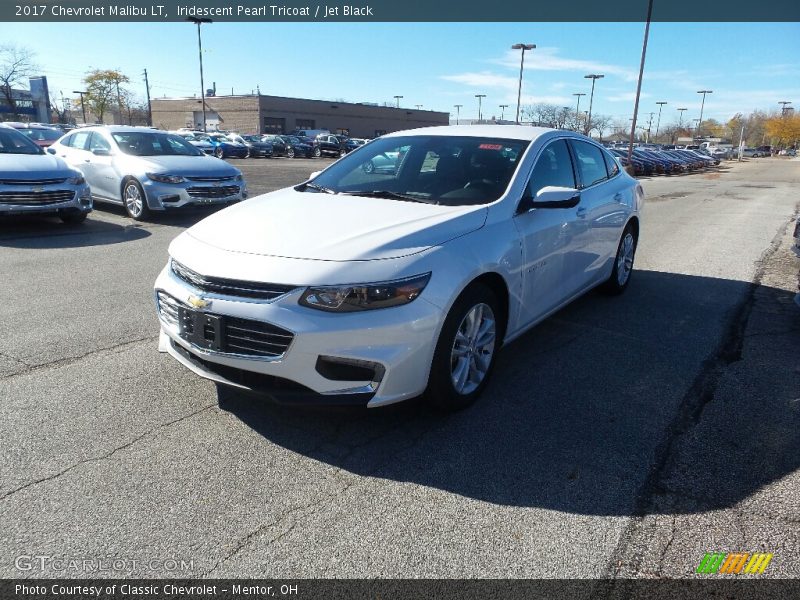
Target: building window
274,125
305,123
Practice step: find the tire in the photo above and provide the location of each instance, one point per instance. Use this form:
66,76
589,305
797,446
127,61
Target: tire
290,153
457,377
73,218
249,154
134,201
219,152
317,152
623,264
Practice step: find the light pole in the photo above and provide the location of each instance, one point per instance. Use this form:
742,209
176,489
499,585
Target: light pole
680,117
522,47
503,108
578,109
696,129
594,78
199,21
702,105
458,112
480,97
419,106
83,104
783,104
397,101
658,123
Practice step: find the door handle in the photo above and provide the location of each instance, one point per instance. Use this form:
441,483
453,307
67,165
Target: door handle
581,212
86,160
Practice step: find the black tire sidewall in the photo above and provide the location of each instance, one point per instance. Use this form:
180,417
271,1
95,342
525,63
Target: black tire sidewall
440,391
145,208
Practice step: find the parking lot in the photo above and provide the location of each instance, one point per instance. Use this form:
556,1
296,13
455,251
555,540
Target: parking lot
623,436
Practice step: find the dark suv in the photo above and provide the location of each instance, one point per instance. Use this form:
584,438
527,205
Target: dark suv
331,145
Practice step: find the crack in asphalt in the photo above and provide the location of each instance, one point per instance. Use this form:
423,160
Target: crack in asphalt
694,401
109,454
16,360
60,362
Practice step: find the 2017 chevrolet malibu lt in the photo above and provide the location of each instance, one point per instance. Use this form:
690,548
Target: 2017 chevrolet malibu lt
148,170
369,287
34,182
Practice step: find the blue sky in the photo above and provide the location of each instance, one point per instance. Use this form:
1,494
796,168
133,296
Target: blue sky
438,65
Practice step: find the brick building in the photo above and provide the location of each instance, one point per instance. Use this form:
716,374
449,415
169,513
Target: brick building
276,114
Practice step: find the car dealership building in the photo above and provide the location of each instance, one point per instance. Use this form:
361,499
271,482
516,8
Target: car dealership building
275,114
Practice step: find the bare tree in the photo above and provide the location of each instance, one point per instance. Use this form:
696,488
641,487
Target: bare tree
600,123
17,64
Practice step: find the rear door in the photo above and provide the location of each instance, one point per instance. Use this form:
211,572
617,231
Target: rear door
99,169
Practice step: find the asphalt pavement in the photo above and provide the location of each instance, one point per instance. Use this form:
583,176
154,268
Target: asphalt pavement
621,437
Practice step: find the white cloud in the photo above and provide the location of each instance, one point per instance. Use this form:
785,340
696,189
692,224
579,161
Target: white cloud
626,97
547,59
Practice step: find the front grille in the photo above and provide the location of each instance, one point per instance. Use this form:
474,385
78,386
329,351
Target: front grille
212,179
230,287
245,337
33,181
213,192
36,198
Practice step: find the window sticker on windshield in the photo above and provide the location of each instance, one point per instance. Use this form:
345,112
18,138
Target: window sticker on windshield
490,147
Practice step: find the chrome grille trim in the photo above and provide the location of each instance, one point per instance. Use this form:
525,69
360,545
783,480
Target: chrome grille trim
213,192
242,338
36,198
229,287
213,179
53,181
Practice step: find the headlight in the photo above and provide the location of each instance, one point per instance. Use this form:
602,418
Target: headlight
163,178
76,180
368,296
239,177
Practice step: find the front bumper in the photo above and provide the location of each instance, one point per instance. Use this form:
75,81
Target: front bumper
398,342
17,199
165,196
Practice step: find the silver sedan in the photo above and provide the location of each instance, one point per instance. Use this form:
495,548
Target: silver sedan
145,169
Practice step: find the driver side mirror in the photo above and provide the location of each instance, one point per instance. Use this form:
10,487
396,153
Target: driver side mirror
51,150
101,152
556,197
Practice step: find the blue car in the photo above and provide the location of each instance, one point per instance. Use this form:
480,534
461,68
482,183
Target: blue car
225,146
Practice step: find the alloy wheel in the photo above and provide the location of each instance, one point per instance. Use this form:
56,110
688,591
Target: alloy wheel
134,202
473,347
625,259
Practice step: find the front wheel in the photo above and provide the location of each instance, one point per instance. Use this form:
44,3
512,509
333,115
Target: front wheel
219,152
317,152
134,200
623,263
290,153
466,349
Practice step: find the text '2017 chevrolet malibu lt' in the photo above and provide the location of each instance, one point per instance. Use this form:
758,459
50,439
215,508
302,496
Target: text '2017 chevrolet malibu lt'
370,286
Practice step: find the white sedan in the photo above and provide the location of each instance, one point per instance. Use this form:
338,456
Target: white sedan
370,286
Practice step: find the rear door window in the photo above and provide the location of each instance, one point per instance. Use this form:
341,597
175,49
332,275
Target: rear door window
590,163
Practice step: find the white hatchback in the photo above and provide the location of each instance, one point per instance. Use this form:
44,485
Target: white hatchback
371,286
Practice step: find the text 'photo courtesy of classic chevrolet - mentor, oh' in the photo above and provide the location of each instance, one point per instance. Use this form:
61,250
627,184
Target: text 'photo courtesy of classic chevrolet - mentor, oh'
401,269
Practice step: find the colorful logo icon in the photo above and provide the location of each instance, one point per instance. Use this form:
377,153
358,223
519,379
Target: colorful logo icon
734,563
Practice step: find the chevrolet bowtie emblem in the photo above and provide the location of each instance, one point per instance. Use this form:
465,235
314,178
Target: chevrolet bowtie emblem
199,302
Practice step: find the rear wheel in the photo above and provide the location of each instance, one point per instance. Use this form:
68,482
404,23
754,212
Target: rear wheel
290,152
317,152
219,152
134,200
466,349
623,263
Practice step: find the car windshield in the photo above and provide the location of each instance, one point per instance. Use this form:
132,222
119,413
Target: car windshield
13,142
251,138
451,170
152,143
42,135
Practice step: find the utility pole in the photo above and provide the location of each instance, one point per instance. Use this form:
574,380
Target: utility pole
639,84
783,104
702,106
149,108
480,115
199,21
578,110
503,108
397,98
458,112
658,124
83,104
119,103
522,47
594,78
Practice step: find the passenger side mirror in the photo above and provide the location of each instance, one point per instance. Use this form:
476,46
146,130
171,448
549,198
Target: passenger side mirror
51,150
101,152
556,197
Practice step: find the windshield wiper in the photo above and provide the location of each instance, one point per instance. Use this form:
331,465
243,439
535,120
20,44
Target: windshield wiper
319,188
386,194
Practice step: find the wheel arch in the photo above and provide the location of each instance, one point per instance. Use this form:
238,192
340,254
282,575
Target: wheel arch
495,282
125,181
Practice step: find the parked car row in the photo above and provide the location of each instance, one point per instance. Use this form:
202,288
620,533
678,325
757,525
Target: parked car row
664,162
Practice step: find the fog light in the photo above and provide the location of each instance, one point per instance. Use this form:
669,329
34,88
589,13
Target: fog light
349,369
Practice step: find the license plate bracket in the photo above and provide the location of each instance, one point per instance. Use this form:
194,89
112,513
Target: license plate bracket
201,329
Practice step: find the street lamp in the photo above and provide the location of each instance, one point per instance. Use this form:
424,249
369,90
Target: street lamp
503,108
522,47
783,104
578,109
397,99
480,97
83,104
458,112
419,106
702,105
639,80
594,78
658,123
680,117
199,21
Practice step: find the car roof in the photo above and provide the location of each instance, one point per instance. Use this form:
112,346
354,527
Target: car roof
510,132
124,128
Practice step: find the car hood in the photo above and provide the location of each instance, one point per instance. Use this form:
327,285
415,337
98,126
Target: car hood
190,166
314,226
33,166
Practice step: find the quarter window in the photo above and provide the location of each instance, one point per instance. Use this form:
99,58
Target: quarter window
611,165
553,168
590,162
